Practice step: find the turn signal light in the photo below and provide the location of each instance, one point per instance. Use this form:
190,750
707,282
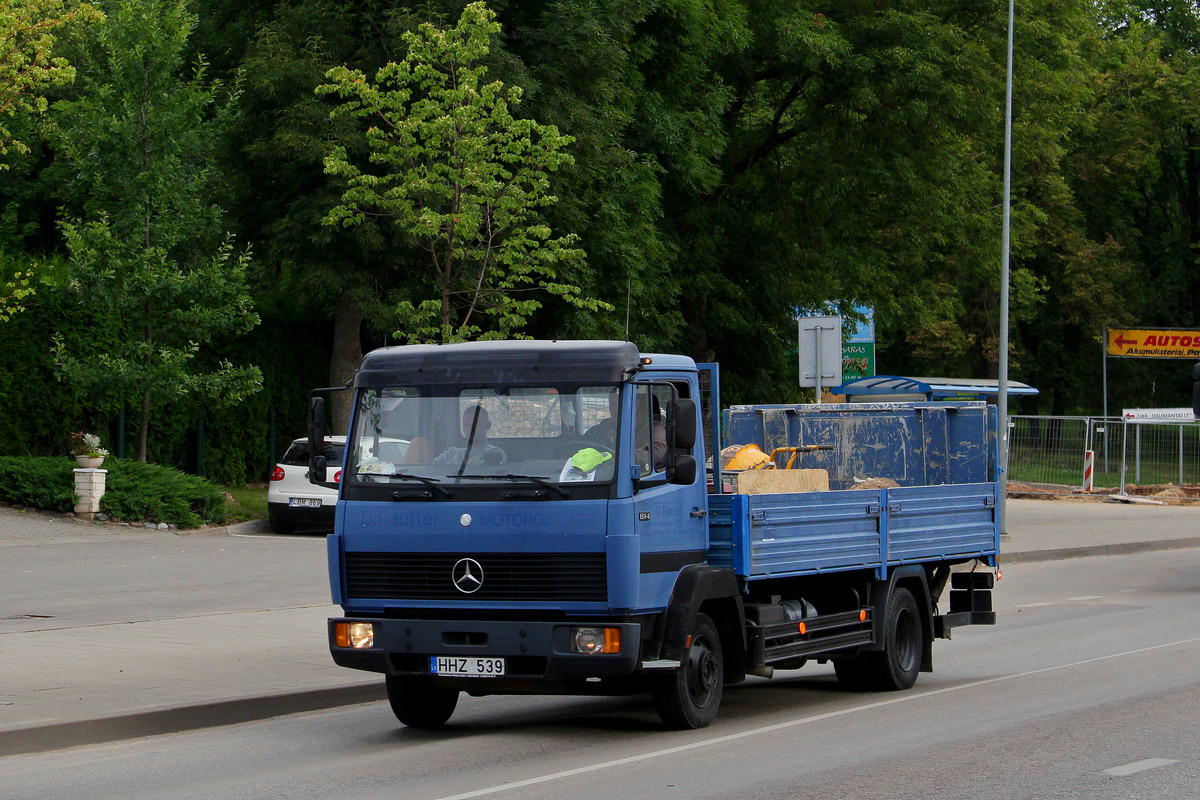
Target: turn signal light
862,615
595,641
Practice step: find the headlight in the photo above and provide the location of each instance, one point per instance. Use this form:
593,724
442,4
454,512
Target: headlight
358,635
595,640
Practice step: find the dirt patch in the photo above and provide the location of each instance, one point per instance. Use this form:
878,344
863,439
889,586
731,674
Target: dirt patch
1186,495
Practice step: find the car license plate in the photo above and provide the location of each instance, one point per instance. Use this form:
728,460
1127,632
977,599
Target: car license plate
471,666
304,502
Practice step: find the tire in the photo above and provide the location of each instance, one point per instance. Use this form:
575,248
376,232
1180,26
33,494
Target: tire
283,528
419,705
895,667
690,696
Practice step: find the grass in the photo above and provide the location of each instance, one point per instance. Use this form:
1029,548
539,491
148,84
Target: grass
249,502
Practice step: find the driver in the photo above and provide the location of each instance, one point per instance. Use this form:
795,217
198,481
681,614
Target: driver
475,426
604,432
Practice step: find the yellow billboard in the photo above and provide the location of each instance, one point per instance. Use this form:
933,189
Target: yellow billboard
1154,343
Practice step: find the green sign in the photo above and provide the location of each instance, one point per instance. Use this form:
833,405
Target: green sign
858,360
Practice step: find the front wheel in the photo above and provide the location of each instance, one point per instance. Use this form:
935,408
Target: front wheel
690,696
419,705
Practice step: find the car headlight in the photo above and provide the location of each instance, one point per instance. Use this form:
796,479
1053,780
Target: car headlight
356,635
595,640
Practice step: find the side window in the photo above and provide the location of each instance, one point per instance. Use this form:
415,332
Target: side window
650,434
641,433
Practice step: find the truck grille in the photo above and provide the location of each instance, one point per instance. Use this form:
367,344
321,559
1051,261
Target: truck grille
563,577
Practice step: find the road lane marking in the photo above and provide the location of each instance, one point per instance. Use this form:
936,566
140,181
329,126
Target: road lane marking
1140,766
733,737
1081,598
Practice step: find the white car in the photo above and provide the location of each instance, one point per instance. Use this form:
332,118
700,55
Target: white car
293,501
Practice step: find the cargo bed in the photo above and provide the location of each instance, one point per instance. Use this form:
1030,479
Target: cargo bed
782,535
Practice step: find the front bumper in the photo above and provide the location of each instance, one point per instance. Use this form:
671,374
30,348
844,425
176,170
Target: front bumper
534,651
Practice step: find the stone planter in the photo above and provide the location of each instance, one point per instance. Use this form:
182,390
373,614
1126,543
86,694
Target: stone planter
89,462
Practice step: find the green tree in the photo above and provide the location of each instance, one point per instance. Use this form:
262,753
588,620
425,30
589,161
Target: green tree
459,174
149,252
28,66
28,31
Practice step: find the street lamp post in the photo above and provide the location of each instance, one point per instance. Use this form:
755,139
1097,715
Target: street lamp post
1002,385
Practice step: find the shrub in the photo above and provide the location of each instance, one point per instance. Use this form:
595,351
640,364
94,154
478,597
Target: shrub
137,490
47,483
134,491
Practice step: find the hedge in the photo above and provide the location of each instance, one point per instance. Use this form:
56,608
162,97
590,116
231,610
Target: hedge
134,491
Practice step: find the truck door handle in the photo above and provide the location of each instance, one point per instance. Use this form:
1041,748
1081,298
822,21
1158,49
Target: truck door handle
696,512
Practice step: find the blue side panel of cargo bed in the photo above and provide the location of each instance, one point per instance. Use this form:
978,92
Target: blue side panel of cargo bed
938,522
776,535
780,535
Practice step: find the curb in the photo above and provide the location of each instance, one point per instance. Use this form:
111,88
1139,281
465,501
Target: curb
250,526
238,528
1126,548
61,735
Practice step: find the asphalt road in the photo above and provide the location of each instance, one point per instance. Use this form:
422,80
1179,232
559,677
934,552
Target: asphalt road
1088,688
79,582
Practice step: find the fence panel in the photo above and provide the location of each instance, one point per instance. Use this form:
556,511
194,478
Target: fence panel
1047,449
1051,450
1158,453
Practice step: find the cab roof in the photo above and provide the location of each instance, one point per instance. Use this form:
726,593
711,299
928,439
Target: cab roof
508,361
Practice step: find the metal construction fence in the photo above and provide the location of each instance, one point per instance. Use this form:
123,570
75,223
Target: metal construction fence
1055,450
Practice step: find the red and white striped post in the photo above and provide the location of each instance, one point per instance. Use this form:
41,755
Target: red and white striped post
1089,462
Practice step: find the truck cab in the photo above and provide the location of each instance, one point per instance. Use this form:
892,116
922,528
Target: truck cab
530,535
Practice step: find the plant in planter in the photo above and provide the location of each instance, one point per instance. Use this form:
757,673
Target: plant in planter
87,450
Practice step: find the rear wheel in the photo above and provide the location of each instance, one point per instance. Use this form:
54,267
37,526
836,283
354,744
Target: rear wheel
897,665
690,696
417,704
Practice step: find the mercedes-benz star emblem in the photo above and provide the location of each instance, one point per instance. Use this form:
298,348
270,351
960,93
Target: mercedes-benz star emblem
467,575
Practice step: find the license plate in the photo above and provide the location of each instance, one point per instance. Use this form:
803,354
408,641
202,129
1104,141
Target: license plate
471,666
304,502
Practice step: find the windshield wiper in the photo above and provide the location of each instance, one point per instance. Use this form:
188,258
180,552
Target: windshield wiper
430,482
534,478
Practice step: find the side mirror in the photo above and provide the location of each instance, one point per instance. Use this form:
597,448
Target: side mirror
317,467
683,470
683,413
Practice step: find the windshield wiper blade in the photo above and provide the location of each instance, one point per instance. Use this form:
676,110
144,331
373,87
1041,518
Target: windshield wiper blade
430,482
534,478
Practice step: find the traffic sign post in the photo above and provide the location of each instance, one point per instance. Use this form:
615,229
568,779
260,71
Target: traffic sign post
820,352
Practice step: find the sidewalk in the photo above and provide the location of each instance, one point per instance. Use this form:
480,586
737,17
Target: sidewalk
97,645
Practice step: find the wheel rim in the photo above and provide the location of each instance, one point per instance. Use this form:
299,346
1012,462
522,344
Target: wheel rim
703,673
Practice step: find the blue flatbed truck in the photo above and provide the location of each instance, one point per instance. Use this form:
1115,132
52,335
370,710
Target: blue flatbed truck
534,517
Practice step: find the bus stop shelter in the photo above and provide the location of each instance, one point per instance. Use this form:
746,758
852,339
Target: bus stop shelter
894,388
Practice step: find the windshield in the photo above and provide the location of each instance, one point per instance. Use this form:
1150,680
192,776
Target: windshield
435,437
